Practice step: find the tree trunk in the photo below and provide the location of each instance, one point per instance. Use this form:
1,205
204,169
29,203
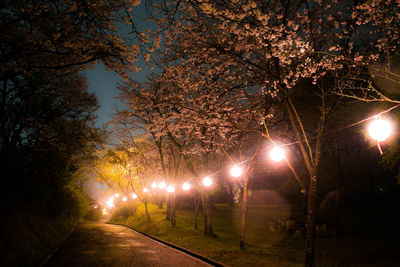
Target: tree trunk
172,210
147,211
168,216
196,210
310,235
207,214
242,244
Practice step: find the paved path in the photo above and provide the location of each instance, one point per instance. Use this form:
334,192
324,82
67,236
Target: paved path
100,244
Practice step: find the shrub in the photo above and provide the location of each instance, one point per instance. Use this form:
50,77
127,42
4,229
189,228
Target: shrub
124,210
93,214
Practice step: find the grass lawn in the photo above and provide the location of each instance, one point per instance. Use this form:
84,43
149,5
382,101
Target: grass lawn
266,245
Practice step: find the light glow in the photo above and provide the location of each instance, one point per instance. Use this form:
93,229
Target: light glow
170,189
207,181
162,185
379,129
110,203
277,154
124,199
145,190
154,185
134,196
116,195
186,186
236,171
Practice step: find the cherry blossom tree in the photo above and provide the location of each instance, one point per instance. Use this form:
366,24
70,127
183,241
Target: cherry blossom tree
274,50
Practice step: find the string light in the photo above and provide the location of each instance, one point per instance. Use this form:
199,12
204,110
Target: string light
277,154
170,189
162,185
236,171
207,181
186,186
379,130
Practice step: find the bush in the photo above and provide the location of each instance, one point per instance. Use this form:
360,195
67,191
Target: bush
93,214
124,210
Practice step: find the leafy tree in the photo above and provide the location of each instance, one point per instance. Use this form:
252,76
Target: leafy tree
46,114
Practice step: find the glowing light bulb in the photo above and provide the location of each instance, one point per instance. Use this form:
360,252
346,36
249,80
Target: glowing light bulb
116,195
170,189
236,171
186,186
124,199
162,185
277,154
110,203
154,185
207,181
379,130
145,190
134,196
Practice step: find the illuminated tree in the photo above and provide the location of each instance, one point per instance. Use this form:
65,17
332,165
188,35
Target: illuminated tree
277,52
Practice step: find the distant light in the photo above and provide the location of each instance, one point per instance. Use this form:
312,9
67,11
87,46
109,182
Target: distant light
134,196
162,185
154,185
186,186
277,154
116,195
104,211
207,181
379,129
236,171
110,203
170,189
145,190
124,199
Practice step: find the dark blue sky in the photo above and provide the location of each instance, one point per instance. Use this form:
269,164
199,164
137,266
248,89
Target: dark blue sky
104,83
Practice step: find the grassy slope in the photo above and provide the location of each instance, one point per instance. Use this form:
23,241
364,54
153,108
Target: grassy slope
264,247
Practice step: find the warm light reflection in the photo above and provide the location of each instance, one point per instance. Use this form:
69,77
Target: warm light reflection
170,189
277,154
162,185
236,171
207,181
186,186
379,129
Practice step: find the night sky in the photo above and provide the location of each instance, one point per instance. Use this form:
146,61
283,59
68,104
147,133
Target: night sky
104,83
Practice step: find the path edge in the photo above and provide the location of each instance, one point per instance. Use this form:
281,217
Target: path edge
184,250
47,259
